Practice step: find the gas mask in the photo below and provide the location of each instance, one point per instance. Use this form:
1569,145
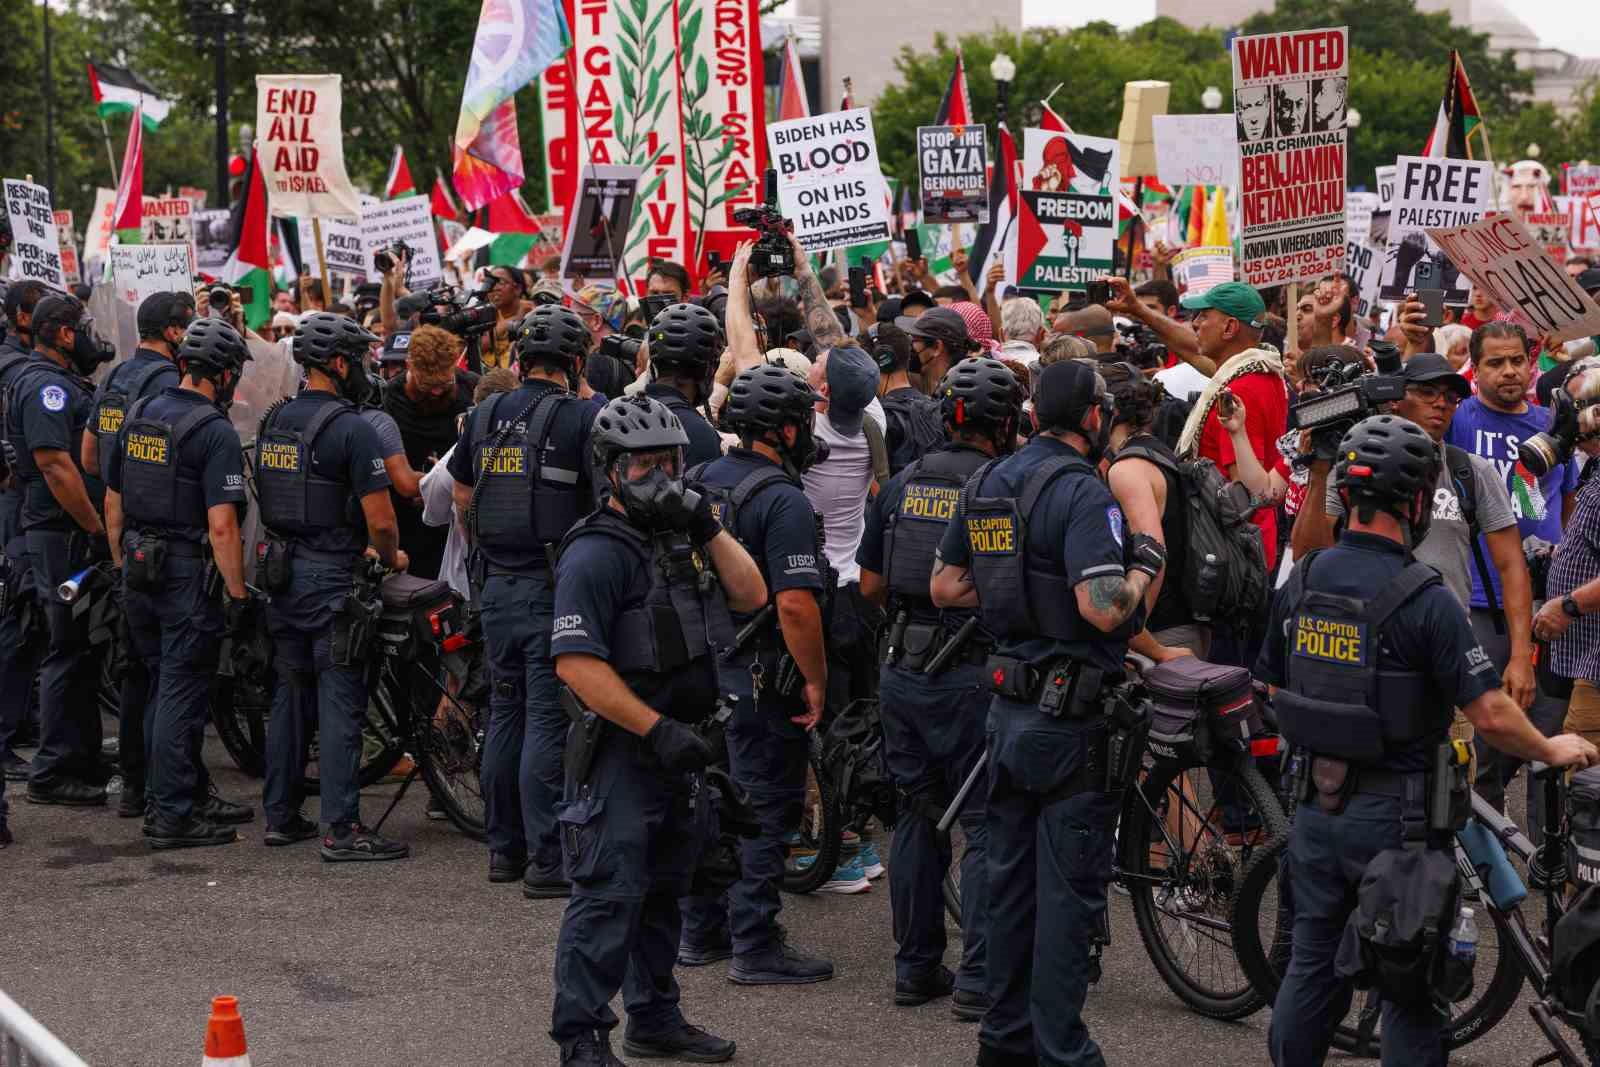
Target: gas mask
657,500
226,382
1102,438
356,385
88,349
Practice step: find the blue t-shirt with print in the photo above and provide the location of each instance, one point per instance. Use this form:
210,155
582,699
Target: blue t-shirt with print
1536,503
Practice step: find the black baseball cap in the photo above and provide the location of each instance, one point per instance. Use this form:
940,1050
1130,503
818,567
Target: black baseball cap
396,348
1589,280
917,298
937,324
1062,392
161,310
1432,367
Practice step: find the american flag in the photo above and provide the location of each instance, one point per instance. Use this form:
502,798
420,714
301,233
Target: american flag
1205,270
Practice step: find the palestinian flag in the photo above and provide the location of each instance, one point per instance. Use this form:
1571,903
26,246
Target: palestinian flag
444,201
515,231
249,266
989,248
399,182
1459,119
956,107
792,87
119,91
128,213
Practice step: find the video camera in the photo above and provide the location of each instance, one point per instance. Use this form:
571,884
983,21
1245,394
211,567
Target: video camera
1347,394
772,255
621,346
1140,345
384,259
1570,423
463,318
219,298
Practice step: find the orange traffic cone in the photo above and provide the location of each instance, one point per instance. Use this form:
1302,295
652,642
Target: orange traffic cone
225,1045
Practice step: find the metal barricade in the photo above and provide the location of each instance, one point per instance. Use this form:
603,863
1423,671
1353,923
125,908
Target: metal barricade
26,1043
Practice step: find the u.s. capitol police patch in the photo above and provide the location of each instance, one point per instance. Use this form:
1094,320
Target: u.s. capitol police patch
53,397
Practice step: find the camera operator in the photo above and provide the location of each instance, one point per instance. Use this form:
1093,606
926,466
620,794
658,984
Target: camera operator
506,290
1204,350
1570,619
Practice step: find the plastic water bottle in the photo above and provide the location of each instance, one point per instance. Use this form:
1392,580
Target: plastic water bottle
1463,946
1208,585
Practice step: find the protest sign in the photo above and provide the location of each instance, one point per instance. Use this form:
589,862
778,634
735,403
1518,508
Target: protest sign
1358,210
1549,228
599,226
68,242
1142,101
1198,269
195,195
301,146
1289,97
953,162
673,85
1067,218
1583,223
1431,193
97,234
342,247
139,271
211,241
1580,179
829,182
166,221
1500,254
1196,150
1363,261
1385,180
36,248
409,220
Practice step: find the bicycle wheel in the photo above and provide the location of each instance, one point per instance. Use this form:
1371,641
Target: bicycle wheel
1186,836
1262,935
448,746
813,858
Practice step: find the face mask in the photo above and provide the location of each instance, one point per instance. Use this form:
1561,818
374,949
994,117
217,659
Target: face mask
226,382
657,501
357,384
807,451
88,351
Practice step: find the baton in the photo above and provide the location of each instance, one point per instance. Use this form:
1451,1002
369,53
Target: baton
952,646
954,810
749,630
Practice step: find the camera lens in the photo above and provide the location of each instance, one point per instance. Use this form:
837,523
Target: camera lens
1541,453
219,299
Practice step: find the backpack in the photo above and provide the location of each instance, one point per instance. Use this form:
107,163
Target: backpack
1171,414
1458,462
915,425
1225,572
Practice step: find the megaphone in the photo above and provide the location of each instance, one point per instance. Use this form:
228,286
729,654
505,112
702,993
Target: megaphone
68,590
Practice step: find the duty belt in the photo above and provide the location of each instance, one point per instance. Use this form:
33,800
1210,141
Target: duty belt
1384,783
318,555
175,546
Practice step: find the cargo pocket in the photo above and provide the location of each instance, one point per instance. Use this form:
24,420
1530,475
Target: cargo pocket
1043,761
583,852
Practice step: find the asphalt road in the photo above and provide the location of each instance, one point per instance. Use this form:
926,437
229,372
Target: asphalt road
118,950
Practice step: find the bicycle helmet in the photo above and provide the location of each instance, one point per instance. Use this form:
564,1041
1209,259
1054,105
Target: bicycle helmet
323,336
981,391
768,397
214,343
685,333
1387,461
551,333
634,424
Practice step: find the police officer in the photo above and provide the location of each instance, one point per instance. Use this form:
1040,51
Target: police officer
162,319
933,722
1411,633
638,625
685,344
1038,545
174,497
324,501
762,503
521,472
47,408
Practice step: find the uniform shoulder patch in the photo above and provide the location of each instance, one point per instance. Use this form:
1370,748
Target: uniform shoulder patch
1114,519
53,397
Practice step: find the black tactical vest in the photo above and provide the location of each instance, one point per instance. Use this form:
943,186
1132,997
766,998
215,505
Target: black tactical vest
1020,596
11,361
155,487
298,500
680,620
527,488
912,535
121,390
1338,701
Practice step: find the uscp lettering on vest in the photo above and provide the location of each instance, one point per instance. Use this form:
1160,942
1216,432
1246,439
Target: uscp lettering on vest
992,535
929,502
145,447
279,457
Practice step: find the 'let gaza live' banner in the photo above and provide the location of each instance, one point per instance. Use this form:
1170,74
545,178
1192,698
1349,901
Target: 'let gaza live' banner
675,87
1289,100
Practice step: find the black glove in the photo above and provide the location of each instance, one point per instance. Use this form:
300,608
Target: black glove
703,524
678,748
1145,553
238,614
99,548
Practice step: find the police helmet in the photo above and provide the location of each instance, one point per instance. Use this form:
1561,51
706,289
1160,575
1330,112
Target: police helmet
211,342
1387,459
323,336
979,390
767,397
54,310
551,333
635,423
685,333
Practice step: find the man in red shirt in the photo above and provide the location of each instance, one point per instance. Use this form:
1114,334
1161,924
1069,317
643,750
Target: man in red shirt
1227,320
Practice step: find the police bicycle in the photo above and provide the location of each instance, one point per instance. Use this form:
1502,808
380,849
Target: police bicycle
1196,811
1520,943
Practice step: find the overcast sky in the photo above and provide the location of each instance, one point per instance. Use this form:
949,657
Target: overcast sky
1557,22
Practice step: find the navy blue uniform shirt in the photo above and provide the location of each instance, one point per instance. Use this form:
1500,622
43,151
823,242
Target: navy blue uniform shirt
212,456
348,451
1076,529
1430,633
705,444
51,407
776,526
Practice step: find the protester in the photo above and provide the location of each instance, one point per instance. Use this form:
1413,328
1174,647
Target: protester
668,279
506,290
1570,618
939,340
1021,319
438,503
1092,323
1160,296
1480,309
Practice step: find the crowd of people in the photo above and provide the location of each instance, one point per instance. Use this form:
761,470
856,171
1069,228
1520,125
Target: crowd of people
968,505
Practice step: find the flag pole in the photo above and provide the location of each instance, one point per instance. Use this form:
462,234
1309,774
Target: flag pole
111,155
322,262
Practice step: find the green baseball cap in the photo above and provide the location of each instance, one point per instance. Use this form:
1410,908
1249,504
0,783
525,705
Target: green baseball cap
1234,299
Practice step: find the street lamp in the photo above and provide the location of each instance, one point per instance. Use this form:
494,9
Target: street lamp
211,20
1003,71
1211,98
1352,118
1534,150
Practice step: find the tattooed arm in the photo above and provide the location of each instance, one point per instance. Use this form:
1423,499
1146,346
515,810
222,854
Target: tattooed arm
821,322
1106,602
